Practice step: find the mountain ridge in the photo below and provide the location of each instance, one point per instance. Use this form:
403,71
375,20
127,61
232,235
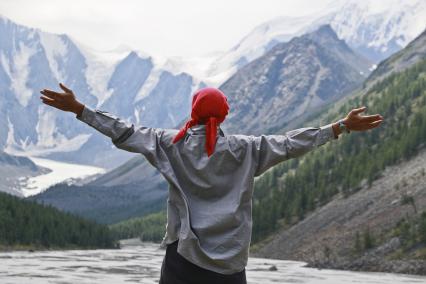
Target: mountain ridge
291,79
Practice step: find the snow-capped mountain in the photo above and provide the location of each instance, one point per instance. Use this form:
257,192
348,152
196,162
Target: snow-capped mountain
127,83
376,29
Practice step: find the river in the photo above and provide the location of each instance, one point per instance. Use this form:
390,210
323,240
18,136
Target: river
141,264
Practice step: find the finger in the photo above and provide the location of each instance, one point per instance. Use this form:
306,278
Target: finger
46,98
371,118
63,87
375,124
50,94
370,125
47,102
358,110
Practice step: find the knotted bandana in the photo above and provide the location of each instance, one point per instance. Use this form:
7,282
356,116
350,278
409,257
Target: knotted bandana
209,107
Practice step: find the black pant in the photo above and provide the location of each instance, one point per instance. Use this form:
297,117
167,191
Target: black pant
177,270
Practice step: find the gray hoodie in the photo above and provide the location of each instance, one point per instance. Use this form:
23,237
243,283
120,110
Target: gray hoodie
209,207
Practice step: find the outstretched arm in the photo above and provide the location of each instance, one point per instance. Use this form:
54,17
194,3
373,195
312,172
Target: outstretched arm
144,140
270,150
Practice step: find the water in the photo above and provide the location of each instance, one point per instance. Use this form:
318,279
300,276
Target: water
141,264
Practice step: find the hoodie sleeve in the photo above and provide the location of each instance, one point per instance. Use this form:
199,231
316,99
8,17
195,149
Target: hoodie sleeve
269,150
144,140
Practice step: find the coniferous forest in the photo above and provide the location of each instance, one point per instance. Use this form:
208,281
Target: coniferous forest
26,224
147,228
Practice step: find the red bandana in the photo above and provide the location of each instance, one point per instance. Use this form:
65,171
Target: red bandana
210,107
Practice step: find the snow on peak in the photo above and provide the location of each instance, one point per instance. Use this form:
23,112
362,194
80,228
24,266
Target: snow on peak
100,67
55,49
176,65
150,83
258,41
374,28
377,26
18,70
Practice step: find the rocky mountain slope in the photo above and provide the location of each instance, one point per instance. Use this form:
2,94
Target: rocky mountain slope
371,215
290,80
327,236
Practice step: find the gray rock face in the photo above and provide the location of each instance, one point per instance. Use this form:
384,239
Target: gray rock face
290,80
9,160
333,227
128,78
169,100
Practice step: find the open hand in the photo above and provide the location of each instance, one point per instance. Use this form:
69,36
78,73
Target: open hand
65,101
354,121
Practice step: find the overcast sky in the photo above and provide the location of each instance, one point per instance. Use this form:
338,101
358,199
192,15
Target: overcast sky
162,27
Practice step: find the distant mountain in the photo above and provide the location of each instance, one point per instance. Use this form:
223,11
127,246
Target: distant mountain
371,29
14,170
292,79
134,86
302,72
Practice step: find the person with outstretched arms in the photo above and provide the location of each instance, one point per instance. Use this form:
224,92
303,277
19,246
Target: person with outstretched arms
211,177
